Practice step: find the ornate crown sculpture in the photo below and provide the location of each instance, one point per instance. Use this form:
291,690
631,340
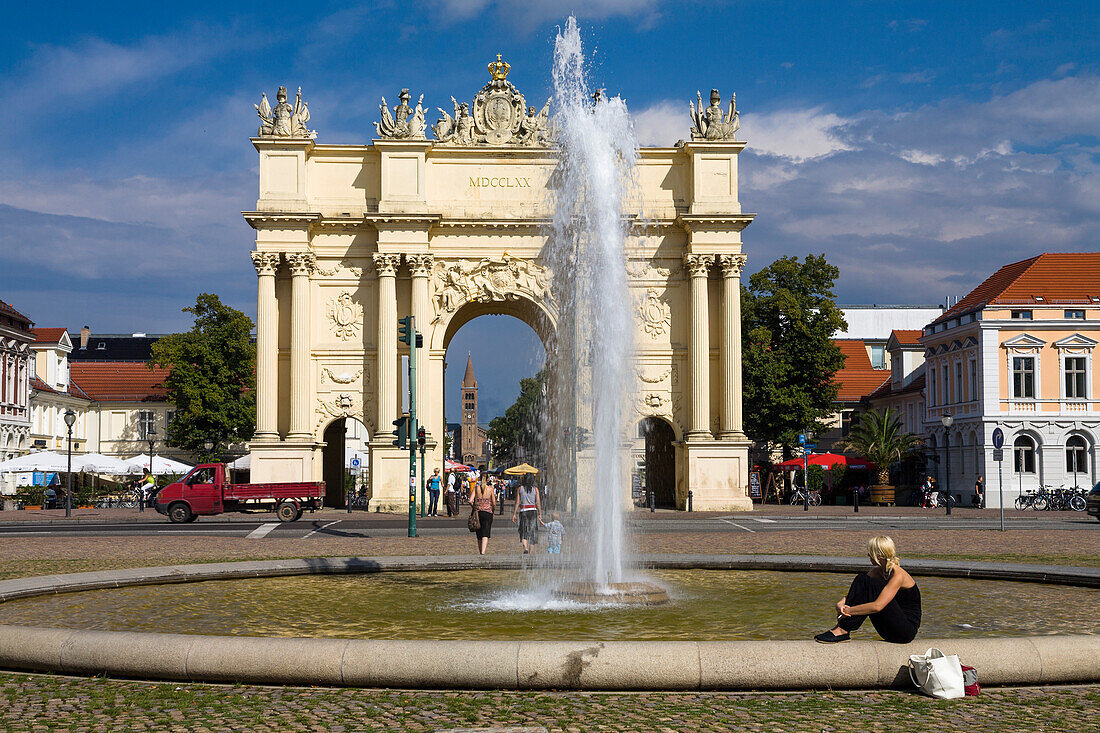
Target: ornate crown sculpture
499,69
499,115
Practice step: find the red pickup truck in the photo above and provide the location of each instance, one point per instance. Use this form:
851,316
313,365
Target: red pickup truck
205,491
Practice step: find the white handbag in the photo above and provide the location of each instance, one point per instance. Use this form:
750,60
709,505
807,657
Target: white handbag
937,674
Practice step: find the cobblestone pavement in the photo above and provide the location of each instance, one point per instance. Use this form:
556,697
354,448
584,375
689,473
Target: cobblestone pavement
39,703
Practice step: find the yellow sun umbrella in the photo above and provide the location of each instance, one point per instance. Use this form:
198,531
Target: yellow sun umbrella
521,469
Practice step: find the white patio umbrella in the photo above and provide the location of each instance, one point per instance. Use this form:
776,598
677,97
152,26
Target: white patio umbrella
40,461
99,463
161,465
243,463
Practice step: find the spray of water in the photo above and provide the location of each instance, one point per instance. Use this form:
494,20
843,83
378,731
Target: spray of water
592,353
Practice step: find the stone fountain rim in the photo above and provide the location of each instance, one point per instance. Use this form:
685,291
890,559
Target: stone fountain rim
582,664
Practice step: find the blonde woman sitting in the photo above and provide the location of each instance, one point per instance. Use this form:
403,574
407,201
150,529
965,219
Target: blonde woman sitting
886,594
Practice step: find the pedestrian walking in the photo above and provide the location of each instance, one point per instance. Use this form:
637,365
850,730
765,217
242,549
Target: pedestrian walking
450,495
529,513
483,502
433,494
979,493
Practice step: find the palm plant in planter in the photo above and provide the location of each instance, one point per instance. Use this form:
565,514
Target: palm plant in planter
878,437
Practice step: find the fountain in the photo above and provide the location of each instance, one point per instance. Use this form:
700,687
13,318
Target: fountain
594,345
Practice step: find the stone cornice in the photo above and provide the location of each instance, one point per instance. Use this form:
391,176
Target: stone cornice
279,220
286,143
401,221
714,222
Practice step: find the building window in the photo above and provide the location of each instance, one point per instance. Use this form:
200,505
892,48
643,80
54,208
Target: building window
146,420
1022,315
958,381
1078,315
1077,455
945,389
878,357
973,380
1075,378
1023,377
1024,454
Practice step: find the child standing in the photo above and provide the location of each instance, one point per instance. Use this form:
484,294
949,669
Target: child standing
555,531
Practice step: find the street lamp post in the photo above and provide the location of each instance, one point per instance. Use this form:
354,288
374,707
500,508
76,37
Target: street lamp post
209,446
70,418
151,438
947,420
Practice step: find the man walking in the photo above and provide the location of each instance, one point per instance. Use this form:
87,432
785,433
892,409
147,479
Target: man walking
433,491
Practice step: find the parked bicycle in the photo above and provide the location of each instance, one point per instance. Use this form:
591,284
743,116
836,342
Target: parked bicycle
936,499
798,496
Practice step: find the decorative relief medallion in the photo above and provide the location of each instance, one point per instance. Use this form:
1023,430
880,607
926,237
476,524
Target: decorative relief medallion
340,268
265,262
732,265
656,314
489,280
654,404
342,377
341,405
500,116
346,315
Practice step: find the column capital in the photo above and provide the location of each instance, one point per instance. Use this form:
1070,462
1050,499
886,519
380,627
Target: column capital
265,262
301,263
698,265
386,263
732,265
420,264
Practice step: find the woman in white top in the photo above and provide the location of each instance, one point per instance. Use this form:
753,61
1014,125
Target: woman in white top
529,511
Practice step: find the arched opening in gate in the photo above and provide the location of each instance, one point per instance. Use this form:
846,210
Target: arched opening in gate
660,460
346,460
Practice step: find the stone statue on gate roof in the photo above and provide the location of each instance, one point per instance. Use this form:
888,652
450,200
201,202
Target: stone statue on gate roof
499,115
282,120
712,123
405,122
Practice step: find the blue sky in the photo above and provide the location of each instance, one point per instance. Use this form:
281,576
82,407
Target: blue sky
919,145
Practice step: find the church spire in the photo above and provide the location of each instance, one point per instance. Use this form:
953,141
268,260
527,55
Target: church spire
469,381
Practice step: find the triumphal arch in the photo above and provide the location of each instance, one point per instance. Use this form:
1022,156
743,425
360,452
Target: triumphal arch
349,238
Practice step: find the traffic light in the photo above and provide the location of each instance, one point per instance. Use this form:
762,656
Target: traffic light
402,429
405,330
421,438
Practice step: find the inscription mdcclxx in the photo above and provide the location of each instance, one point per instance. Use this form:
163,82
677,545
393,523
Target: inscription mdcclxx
500,182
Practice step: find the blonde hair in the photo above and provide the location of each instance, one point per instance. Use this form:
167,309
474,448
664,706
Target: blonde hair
883,553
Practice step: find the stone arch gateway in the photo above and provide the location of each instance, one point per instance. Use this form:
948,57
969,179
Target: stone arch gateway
351,237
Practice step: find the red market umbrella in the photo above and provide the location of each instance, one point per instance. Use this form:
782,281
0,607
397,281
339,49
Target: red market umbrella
827,461
456,466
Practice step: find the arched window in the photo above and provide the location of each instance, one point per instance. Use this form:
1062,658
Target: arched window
1077,455
1024,454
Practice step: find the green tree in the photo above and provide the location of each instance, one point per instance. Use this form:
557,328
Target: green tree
878,437
521,424
213,376
789,317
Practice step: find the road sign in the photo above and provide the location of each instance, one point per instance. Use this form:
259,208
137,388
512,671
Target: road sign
355,463
998,440
811,447
802,439
998,454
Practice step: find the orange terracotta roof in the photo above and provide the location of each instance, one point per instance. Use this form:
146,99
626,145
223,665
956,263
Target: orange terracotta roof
906,337
7,309
119,380
1056,277
857,378
48,335
74,389
887,388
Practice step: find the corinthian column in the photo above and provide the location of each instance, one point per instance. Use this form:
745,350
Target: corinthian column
421,267
267,348
731,425
698,266
386,265
301,266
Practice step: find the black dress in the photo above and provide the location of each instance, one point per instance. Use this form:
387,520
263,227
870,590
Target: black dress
897,623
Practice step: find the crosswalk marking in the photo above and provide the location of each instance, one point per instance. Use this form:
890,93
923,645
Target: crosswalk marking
262,530
762,521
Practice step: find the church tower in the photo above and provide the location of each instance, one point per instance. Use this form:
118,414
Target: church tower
471,446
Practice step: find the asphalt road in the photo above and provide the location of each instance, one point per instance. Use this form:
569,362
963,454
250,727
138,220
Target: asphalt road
361,525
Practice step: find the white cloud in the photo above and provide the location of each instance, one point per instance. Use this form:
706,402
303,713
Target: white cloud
662,124
797,135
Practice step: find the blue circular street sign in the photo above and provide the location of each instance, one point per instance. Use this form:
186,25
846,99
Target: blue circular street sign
355,463
998,438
